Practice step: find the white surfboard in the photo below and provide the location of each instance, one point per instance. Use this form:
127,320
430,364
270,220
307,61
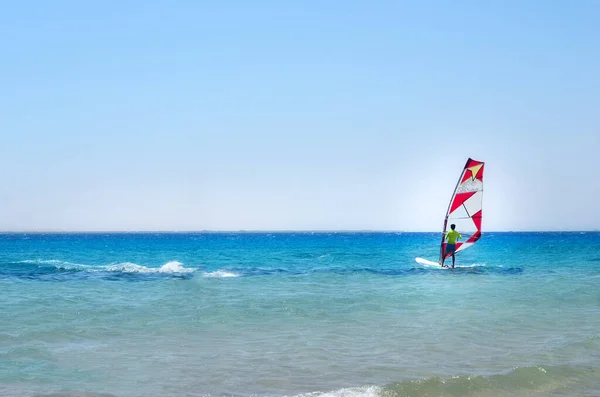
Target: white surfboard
429,263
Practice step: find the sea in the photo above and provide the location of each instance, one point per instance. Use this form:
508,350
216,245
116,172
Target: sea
305,314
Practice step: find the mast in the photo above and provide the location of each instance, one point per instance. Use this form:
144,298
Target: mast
460,178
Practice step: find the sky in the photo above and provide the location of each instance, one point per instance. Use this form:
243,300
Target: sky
296,115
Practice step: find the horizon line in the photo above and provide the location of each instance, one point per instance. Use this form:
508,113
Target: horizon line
57,231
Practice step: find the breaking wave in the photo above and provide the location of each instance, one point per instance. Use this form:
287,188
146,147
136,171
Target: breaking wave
520,381
58,270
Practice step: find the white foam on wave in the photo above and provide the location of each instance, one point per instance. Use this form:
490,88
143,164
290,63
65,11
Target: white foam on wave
54,262
40,261
123,267
175,267
431,264
220,274
473,265
365,391
58,264
129,267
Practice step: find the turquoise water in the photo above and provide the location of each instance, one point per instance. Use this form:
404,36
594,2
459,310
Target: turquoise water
289,314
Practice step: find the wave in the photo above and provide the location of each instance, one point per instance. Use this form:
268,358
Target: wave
63,270
57,270
391,271
169,267
520,381
366,391
124,267
220,274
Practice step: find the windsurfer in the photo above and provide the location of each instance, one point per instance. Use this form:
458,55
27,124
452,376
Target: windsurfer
451,236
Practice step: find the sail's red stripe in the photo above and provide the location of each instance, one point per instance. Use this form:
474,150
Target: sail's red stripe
477,220
474,238
471,163
459,199
480,174
458,244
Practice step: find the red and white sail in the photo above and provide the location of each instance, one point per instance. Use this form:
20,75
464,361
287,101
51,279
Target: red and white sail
465,208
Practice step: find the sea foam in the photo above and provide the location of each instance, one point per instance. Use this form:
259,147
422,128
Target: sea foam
121,267
220,274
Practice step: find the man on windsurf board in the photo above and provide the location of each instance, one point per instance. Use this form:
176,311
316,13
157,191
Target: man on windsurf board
451,236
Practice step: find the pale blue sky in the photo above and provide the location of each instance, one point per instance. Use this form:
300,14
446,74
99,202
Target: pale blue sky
228,115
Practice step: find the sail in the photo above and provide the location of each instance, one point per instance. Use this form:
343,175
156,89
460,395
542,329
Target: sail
464,209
